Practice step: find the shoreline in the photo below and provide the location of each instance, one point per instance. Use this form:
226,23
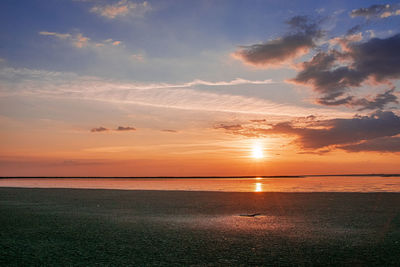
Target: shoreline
204,191
206,177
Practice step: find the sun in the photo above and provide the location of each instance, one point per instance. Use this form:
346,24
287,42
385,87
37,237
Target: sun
257,151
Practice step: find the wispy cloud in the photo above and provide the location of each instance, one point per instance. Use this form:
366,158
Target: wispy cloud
118,129
56,34
78,40
122,8
163,95
376,11
137,57
232,127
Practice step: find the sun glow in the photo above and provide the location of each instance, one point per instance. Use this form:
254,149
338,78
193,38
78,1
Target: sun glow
257,151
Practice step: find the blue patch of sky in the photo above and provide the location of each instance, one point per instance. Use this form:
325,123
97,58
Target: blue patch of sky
172,31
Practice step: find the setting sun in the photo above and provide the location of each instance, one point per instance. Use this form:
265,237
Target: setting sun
257,151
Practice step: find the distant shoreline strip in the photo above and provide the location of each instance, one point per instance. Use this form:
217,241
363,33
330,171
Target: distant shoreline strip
200,177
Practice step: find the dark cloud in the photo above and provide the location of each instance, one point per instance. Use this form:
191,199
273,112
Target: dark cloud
379,101
343,131
317,152
331,133
288,47
377,58
258,121
354,30
375,11
234,127
383,144
169,131
122,128
329,75
99,129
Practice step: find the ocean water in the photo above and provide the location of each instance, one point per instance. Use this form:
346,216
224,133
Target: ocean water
304,184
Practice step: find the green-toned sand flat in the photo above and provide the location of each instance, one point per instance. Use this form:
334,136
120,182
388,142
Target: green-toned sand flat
74,227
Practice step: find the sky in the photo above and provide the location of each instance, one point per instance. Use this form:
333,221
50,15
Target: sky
199,88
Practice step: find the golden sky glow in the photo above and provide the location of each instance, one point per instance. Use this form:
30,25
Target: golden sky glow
200,89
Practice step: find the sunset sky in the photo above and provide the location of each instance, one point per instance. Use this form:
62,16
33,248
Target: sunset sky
199,88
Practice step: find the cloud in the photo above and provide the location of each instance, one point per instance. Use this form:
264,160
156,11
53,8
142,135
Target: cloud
56,34
99,129
283,49
376,11
118,129
378,102
78,40
259,121
383,144
333,73
169,131
323,134
122,128
122,8
233,127
343,131
28,82
137,57
112,42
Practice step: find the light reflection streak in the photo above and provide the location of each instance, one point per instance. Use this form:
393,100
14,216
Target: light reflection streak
258,187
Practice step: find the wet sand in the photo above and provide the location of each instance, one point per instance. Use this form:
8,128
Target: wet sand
82,227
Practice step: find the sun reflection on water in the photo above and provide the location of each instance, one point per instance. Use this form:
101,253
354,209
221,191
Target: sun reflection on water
258,187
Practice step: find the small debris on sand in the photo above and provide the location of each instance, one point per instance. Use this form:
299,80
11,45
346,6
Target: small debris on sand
250,215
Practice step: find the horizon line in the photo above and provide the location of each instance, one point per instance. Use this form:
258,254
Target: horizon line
207,177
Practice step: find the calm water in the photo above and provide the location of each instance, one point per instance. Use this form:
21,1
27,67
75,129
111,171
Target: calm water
308,184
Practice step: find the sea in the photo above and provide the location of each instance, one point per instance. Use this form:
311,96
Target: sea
360,183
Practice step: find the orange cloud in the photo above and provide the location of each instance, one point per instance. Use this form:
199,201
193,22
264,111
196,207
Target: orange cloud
121,8
78,40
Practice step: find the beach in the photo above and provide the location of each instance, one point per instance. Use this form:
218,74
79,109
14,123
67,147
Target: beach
86,227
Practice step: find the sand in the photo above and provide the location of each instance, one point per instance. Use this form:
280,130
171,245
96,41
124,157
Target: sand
81,227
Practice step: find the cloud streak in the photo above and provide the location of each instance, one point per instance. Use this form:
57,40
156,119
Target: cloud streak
177,96
122,8
28,82
118,129
383,144
376,11
78,40
125,128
